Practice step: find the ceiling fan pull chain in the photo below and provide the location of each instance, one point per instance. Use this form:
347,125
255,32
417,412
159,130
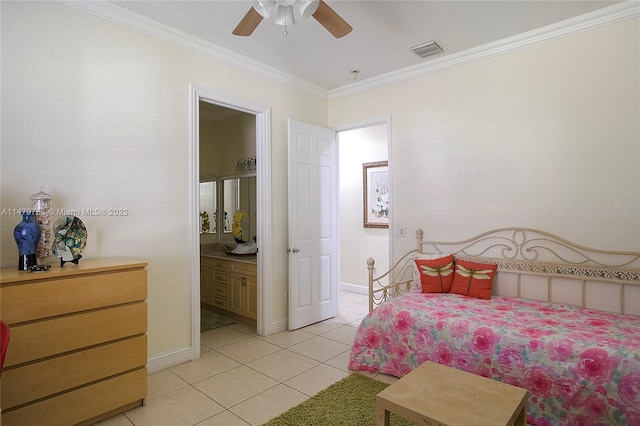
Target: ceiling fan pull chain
285,21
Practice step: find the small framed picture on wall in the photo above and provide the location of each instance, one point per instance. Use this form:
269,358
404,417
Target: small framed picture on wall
377,194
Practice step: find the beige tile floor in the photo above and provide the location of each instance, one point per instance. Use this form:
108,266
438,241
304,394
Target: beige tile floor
245,379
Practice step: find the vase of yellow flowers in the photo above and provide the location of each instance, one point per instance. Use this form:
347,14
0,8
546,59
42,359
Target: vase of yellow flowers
236,226
205,224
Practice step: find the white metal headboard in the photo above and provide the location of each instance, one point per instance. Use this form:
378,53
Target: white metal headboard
532,264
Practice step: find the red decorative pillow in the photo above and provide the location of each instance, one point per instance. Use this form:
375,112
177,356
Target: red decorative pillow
416,272
473,279
436,275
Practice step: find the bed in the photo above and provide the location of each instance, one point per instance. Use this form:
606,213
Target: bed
560,320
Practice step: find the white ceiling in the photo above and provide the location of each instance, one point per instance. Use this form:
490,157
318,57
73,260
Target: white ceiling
383,31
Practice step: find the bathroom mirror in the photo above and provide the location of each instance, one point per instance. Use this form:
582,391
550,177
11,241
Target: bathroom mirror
208,203
232,194
238,194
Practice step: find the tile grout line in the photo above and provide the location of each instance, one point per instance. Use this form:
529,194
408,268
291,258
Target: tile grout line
354,304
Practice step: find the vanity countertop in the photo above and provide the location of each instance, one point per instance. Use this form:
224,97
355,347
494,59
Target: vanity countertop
235,258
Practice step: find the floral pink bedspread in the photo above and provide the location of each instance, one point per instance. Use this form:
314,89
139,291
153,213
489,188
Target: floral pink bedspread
581,366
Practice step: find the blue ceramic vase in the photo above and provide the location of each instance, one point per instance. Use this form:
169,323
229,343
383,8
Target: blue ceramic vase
27,236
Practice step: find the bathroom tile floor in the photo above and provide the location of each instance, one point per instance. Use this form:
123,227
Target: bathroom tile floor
245,379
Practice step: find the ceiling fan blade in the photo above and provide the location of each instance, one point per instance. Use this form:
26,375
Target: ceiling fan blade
329,19
248,23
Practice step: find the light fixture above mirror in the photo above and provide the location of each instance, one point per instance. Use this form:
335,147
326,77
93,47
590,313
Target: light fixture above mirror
246,164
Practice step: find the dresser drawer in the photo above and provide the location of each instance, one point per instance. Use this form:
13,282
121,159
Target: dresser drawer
220,289
220,277
81,404
221,302
220,264
206,262
243,268
40,339
46,378
47,298
214,263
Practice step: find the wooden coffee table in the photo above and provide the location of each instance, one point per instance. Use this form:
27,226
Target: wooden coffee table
434,394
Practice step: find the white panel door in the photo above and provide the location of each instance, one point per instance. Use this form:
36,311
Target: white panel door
313,224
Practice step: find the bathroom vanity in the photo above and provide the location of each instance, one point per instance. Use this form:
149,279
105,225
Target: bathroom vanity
229,283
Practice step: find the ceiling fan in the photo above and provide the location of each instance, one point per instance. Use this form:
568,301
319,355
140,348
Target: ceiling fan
287,12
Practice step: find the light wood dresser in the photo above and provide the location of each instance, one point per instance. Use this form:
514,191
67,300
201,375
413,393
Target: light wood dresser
78,348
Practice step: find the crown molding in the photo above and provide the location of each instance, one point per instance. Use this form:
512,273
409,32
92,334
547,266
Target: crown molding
134,21
605,16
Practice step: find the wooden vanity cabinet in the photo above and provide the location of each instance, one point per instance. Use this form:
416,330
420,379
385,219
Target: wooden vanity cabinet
206,280
229,285
78,348
244,290
214,282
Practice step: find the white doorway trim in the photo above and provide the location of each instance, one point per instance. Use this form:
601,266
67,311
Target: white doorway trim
263,195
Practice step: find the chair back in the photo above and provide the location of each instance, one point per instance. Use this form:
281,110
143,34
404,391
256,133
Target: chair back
5,335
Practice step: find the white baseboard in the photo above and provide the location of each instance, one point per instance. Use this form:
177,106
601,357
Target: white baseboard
182,355
278,326
170,359
354,288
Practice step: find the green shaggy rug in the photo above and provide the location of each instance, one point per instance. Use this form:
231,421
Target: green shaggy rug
349,402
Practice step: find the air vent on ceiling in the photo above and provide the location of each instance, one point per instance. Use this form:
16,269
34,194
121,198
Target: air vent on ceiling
426,49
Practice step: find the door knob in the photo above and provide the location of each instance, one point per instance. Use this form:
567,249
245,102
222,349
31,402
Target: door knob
295,250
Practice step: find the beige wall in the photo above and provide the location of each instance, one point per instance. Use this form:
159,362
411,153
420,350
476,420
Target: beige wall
99,115
357,244
544,137
210,158
224,142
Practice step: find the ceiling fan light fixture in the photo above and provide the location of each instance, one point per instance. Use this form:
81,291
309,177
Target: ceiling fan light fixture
426,49
307,7
264,7
285,15
286,12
